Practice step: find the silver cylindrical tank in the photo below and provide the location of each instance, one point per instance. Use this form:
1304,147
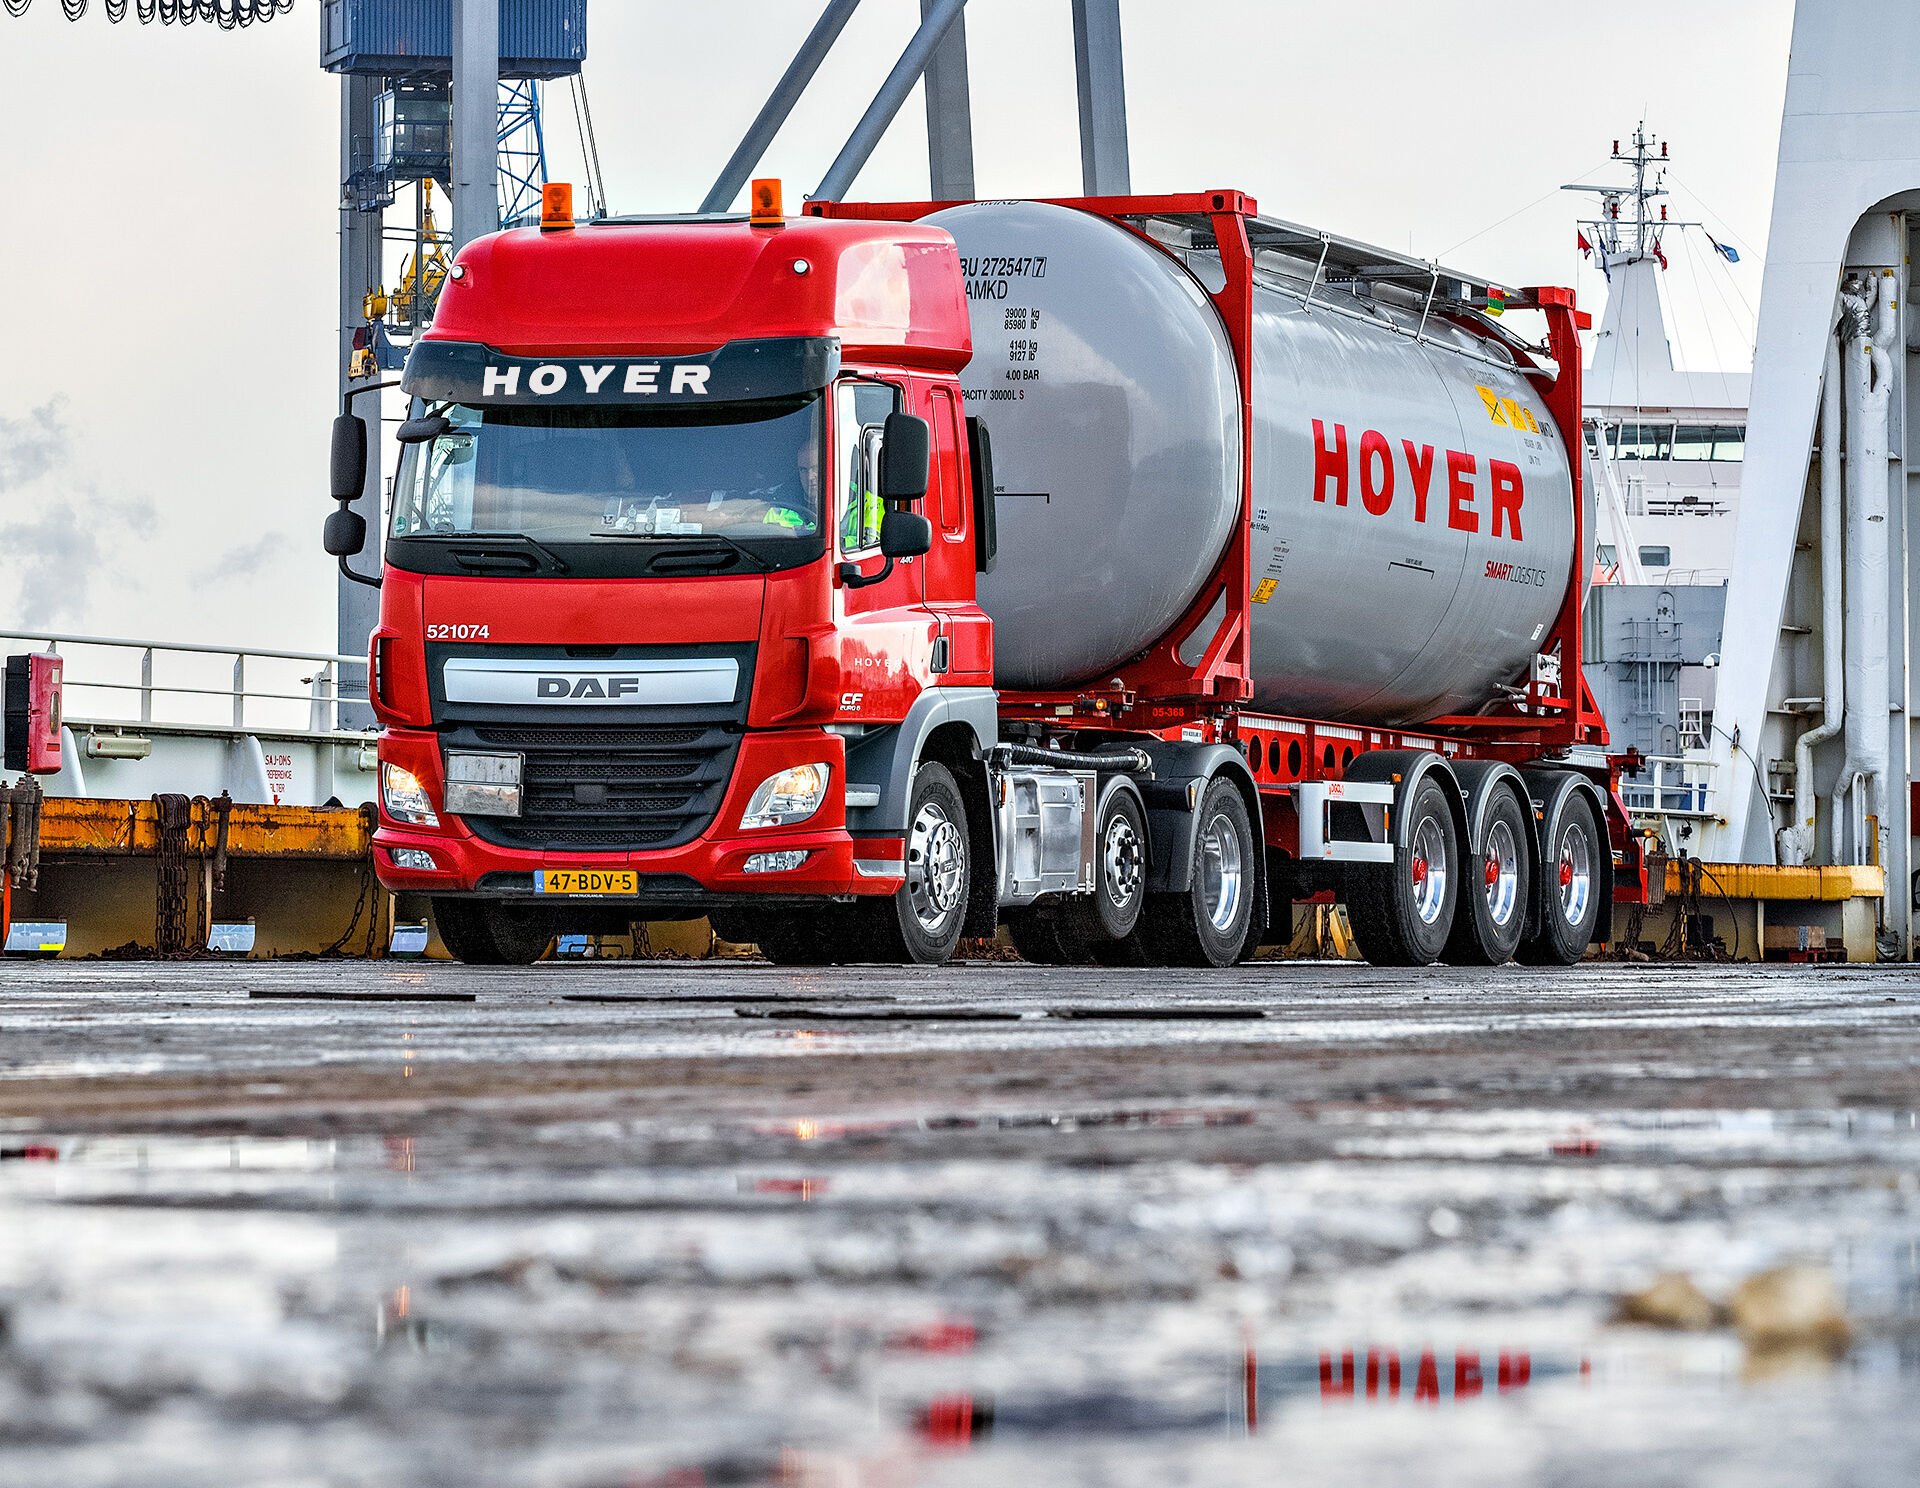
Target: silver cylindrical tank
1412,504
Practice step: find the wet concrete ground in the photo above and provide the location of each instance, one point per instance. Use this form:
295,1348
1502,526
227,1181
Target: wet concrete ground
679,1224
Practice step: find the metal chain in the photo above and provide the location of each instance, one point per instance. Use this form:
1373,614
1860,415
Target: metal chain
364,902
172,934
21,806
226,14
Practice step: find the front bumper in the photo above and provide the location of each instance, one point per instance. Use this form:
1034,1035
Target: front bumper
708,872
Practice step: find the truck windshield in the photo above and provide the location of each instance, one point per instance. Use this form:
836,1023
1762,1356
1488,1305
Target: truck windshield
563,474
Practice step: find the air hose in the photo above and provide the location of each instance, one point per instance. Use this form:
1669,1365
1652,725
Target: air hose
1132,761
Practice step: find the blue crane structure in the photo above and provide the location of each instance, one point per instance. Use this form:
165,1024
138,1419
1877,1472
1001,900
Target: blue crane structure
401,123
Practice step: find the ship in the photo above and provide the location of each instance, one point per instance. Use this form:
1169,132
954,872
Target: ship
1664,446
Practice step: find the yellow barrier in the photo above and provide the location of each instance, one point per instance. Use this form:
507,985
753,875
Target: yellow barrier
1763,881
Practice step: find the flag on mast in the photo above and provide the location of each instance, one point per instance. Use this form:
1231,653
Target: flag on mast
1730,254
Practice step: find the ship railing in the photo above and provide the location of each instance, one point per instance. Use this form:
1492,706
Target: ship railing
116,683
1673,791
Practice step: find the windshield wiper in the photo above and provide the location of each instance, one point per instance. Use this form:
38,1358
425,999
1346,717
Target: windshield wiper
718,537
560,565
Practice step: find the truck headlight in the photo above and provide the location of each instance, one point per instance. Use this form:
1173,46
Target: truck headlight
792,795
483,784
405,797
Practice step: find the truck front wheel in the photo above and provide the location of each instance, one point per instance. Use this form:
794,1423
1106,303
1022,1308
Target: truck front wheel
921,923
480,933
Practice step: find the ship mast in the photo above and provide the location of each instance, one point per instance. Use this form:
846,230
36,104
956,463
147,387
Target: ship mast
1636,235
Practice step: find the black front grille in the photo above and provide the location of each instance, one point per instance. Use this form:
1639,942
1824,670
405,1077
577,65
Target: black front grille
609,789
590,738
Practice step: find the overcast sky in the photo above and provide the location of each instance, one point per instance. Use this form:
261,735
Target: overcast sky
169,264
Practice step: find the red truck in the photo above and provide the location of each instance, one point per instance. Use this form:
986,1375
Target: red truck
1121,571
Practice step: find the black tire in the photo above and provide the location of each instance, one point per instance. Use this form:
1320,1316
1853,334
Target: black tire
1133,951
1045,936
1119,894
800,938
1572,875
481,933
921,923
1208,924
1400,914
737,926
1490,916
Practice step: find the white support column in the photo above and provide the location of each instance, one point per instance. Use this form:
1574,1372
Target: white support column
1105,169
476,120
949,114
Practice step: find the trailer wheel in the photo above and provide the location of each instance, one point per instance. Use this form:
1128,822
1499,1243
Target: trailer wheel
1491,915
1207,925
921,923
480,933
1570,897
1402,912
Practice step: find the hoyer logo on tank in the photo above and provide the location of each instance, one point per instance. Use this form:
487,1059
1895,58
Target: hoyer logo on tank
1382,469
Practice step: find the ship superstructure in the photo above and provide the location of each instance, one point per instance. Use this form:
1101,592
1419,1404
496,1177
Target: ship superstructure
1664,451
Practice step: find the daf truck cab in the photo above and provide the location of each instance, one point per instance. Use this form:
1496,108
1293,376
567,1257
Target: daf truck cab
677,614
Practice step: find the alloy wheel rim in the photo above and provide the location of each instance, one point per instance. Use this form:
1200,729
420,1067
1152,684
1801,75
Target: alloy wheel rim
1503,873
1429,870
1575,873
1222,876
1121,860
936,866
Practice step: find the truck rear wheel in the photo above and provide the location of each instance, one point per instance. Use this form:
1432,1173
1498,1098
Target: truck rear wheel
1570,904
1491,915
1043,935
1102,926
1402,912
921,923
481,933
1208,925
1119,894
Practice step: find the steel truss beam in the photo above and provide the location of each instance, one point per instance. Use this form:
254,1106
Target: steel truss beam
773,113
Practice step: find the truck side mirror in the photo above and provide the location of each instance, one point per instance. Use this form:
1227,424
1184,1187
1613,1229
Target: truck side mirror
345,533
904,456
986,521
420,430
905,534
349,463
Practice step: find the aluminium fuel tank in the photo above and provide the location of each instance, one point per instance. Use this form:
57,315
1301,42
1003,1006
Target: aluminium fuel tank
1412,505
